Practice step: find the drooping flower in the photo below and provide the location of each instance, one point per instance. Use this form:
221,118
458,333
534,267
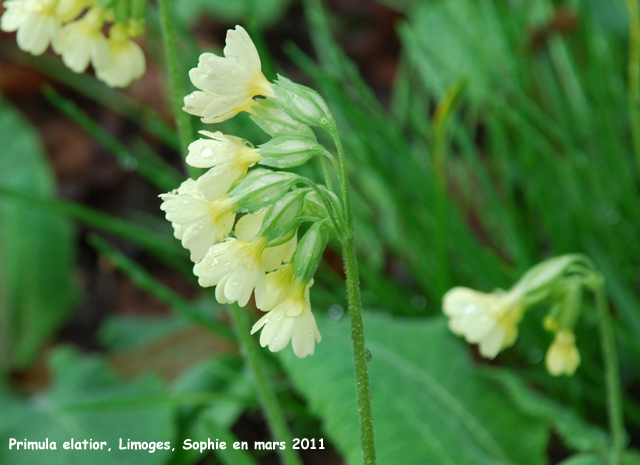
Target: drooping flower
228,157
490,320
227,85
36,21
125,60
197,222
82,42
563,357
237,266
290,320
247,229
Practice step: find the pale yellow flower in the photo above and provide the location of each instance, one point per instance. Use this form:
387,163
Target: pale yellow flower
68,10
490,320
197,222
235,267
228,157
36,21
125,60
82,42
280,285
290,320
563,357
247,229
227,85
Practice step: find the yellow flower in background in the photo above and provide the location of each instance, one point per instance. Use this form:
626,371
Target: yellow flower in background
125,61
563,357
77,37
82,42
228,157
36,21
490,320
290,320
227,85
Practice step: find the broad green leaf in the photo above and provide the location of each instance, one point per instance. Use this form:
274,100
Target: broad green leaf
429,404
36,247
87,401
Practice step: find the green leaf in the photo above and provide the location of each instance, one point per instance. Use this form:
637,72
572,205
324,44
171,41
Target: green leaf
36,248
87,401
574,431
429,405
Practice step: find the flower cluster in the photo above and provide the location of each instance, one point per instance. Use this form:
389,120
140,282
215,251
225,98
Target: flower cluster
240,222
491,320
74,28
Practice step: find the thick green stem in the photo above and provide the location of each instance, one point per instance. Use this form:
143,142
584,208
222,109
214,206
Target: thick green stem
266,393
355,313
612,378
183,119
359,353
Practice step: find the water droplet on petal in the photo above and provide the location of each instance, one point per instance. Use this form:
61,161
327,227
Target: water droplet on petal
206,152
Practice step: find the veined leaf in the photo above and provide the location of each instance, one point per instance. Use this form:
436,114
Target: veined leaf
429,405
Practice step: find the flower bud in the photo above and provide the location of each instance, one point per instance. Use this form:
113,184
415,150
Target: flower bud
563,357
288,151
303,103
282,218
261,188
276,122
309,252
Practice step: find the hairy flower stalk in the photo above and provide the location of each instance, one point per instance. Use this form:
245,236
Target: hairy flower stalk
283,221
74,29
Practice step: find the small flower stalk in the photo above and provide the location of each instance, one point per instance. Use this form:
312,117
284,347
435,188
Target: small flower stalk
75,31
491,320
241,219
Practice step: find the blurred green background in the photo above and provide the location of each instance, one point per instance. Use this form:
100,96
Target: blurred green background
482,137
